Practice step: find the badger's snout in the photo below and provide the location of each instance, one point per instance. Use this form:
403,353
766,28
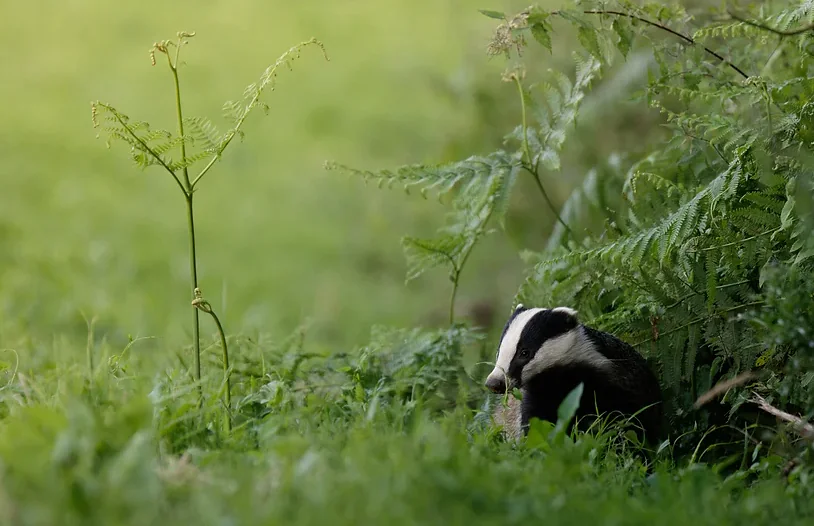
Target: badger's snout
496,384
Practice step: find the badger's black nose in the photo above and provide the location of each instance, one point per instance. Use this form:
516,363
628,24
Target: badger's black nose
496,384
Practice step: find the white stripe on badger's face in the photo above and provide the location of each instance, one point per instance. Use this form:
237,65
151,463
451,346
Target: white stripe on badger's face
572,347
509,344
566,349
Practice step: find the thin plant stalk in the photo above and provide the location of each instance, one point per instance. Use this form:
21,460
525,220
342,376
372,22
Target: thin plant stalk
89,349
458,267
532,169
180,174
188,194
202,304
196,342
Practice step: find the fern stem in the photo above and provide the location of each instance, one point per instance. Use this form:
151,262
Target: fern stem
527,152
205,169
193,262
732,243
226,372
702,318
452,295
193,271
683,37
526,148
779,32
179,112
695,293
250,105
537,180
457,269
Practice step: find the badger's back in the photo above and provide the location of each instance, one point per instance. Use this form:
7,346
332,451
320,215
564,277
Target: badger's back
548,352
634,376
627,388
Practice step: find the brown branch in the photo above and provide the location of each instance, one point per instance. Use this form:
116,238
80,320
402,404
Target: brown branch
803,428
683,37
722,387
782,33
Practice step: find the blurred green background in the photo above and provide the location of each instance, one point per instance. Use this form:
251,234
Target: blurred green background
85,233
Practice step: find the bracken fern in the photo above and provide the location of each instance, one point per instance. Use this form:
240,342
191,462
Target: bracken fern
671,245
197,140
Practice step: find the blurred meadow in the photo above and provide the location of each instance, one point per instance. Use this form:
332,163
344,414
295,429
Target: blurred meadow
281,242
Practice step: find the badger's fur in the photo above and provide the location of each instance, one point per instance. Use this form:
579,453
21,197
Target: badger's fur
546,353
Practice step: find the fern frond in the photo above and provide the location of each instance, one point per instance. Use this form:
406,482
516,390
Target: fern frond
754,220
425,254
190,160
238,111
166,146
471,180
656,181
203,133
765,201
555,109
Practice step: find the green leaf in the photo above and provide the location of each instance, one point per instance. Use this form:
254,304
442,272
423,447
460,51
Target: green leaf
786,220
541,35
763,273
804,255
625,36
568,407
425,254
587,37
493,14
540,431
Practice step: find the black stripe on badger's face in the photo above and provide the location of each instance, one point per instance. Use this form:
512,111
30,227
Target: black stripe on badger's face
543,326
523,340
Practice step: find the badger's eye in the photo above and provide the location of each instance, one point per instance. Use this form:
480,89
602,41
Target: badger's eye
524,353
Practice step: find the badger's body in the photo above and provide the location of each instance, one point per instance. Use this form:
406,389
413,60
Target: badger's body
546,353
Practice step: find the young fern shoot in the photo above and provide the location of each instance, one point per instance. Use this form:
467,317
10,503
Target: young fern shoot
480,187
197,140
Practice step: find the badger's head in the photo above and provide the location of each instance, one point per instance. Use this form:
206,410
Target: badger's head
536,339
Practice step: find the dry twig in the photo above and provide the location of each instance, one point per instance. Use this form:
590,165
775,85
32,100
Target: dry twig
722,387
803,428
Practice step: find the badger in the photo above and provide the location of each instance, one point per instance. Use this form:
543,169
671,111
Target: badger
546,353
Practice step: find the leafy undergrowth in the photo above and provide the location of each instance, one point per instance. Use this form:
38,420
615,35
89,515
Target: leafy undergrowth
383,437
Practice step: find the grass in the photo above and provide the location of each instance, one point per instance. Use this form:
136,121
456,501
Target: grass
94,263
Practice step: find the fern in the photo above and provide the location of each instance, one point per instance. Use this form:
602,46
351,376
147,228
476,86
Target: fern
701,215
149,148
668,245
554,110
479,188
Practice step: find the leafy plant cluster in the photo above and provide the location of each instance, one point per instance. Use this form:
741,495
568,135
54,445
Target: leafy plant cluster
197,139
677,246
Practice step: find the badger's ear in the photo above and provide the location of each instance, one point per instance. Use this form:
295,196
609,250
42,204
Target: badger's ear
567,310
517,310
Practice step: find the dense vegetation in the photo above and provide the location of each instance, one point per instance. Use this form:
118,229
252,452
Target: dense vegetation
691,239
